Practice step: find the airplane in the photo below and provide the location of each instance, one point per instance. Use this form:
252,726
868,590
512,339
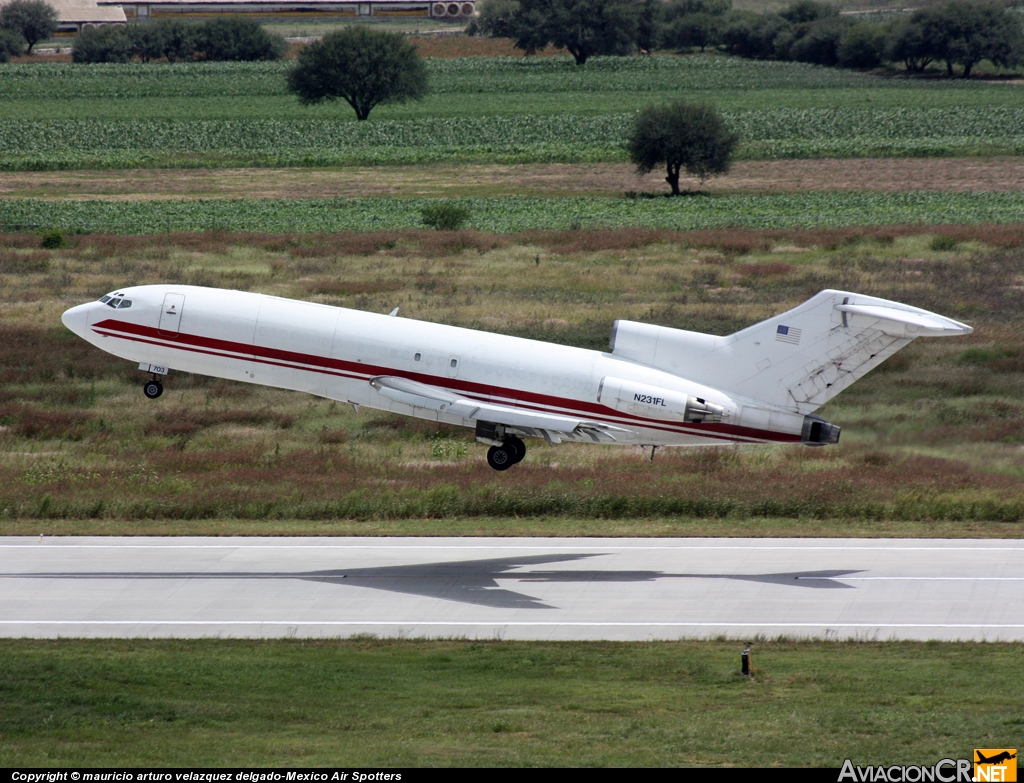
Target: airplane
656,386
996,759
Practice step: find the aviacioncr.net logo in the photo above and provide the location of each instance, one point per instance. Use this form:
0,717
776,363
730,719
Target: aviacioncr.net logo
945,771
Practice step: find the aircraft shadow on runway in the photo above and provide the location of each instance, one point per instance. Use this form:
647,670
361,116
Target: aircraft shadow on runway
473,581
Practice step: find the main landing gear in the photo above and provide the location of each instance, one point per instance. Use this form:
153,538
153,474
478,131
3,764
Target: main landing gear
153,389
507,454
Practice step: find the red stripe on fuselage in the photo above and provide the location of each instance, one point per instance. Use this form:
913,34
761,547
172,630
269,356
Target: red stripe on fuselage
540,402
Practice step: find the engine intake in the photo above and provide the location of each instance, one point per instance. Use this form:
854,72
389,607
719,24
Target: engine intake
659,403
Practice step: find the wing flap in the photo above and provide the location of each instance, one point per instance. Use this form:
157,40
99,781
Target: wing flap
422,395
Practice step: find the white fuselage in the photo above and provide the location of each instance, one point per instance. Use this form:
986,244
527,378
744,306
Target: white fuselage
334,352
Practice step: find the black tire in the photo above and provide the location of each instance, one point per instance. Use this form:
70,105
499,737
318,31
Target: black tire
517,447
153,389
500,458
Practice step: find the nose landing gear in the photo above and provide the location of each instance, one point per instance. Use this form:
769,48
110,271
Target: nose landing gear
153,389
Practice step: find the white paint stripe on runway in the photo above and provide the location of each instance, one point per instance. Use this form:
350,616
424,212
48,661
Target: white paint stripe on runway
515,623
909,578
573,547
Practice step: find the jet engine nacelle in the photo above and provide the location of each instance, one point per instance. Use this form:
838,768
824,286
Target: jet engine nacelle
641,399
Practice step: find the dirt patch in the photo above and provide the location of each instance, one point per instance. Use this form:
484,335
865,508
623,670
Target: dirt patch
610,179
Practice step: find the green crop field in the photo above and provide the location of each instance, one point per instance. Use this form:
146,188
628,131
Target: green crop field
511,214
483,109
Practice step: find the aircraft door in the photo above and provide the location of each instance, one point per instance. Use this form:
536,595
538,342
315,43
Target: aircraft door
452,368
170,314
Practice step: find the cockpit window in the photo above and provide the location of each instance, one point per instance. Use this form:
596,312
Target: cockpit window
124,303
106,298
114,299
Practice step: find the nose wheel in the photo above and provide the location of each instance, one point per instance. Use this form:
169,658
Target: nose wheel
507,454
153,389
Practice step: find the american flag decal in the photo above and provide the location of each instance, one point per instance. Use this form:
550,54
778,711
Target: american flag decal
788,334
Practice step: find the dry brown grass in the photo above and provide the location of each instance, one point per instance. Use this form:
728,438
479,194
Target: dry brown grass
931,441
447,180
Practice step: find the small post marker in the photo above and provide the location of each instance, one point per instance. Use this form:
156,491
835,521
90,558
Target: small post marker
745,661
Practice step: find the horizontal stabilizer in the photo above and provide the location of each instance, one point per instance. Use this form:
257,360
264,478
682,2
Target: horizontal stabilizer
925,324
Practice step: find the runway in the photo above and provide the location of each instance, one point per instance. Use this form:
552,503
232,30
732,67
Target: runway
512,588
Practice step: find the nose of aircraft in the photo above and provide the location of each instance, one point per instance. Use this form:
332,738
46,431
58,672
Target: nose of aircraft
77,318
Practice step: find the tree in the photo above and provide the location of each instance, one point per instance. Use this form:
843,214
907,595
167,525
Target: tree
177,39
757,36
862,46
688,23
583,27
36,20
804,11
910,44
817,42
365,67
966,33
147,41
681,136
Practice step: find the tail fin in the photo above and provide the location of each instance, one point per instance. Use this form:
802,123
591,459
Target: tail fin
798,360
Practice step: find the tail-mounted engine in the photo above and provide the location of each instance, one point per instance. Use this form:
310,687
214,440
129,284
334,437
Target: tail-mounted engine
818,432
656,402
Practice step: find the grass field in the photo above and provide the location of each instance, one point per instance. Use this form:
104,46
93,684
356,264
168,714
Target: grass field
932,443
366,703
66,116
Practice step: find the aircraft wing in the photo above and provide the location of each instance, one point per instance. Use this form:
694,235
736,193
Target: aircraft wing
552,427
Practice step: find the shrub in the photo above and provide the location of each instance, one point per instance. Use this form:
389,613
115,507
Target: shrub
238,38
11,45
496,19
105,44
53,239
944,243
444,216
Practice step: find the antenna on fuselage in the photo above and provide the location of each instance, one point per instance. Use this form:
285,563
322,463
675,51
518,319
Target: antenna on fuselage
394,312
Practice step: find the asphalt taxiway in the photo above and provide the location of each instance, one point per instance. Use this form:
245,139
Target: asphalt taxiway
515,588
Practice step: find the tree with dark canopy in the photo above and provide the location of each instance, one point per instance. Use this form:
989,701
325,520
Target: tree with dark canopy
583,27
365,67
238,38
966,33
681,136
36,20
